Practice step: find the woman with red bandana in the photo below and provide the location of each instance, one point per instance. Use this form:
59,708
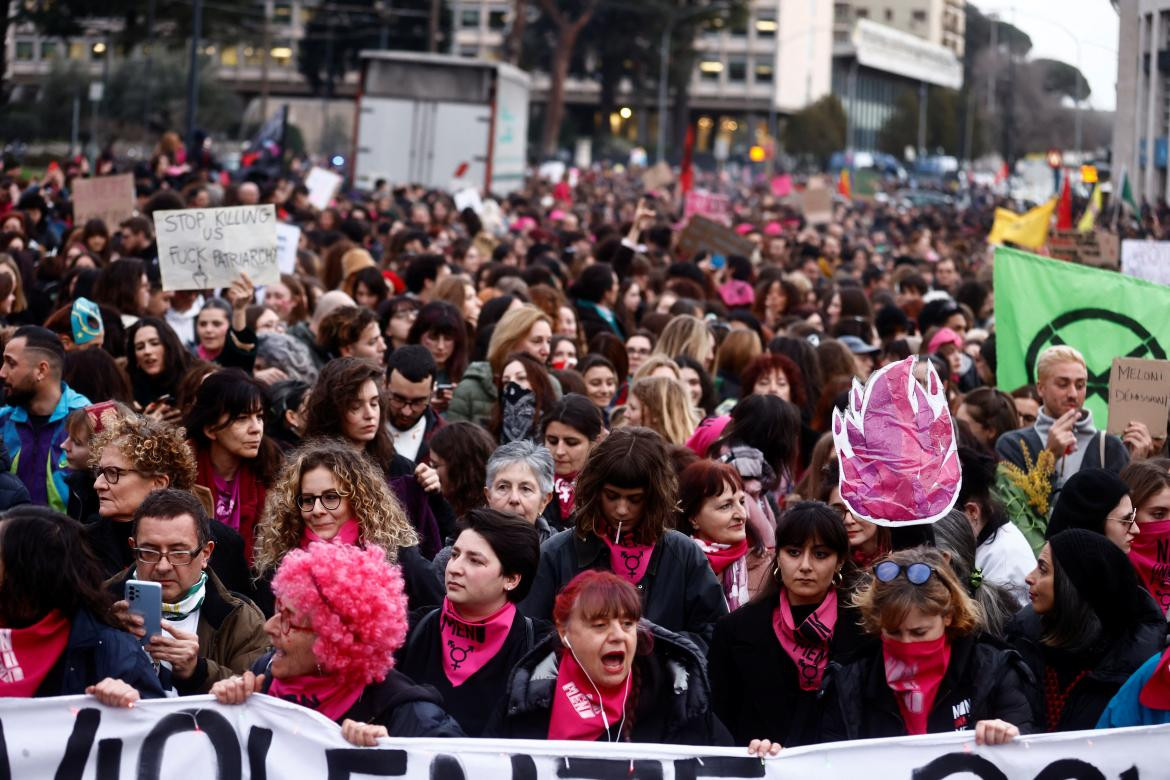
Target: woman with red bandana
624,510
466,649
932,673
769,657
607,675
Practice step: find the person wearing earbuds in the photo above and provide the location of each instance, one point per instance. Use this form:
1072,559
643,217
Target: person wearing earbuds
467,647
932,672
622,522
606,674
768,658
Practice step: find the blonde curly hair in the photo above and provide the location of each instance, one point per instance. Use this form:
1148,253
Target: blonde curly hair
381,519
152,447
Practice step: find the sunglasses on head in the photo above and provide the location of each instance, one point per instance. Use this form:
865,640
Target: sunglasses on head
917,573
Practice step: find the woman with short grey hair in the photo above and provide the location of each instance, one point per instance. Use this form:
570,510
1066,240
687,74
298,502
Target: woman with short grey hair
279,350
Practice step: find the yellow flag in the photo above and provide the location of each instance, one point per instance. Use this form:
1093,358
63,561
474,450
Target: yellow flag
1089,218
1029,230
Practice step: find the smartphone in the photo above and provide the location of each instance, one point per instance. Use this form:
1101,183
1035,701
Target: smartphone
443,388
718,261
146,601
167,399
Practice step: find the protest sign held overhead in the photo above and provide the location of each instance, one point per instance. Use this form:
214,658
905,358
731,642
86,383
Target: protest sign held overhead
1040,302
200,249
702,234
108,198
287,239
708,204
817,204
1149,260
1098,248
322,186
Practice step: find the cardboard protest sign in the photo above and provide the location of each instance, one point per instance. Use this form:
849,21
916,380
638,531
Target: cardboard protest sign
704,234
1097,248
1139,390
288,237
1149,260
707,204
658,176
817,205
201,249
108,198
322,186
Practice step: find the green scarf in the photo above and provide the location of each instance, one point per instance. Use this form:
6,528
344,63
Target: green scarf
191,601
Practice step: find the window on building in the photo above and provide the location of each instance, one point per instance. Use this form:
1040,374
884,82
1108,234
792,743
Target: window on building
229,56
282,53
766,25
469,18
25,51
497,20
98,50
841,11
469,51
77,50
282,10
709,70
740,28
862,13
889,14
918,16
737,69
253,56
714,27
763,72
50,50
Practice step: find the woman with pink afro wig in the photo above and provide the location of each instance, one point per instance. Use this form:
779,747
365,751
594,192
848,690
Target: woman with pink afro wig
340,617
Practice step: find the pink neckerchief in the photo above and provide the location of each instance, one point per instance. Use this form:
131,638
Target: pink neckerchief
469,644
202,352
29,653
629,560
565,487
575,713
325,694
914,671
1149,555
348,533
807,644
227,499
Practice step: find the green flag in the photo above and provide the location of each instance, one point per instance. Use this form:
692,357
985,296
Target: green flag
1127,194
1040,302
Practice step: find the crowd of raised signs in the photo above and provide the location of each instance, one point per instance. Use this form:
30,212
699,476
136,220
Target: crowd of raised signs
527,470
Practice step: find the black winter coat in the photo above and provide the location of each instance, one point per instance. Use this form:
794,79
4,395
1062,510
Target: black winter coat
674,700
984,680
12,490
1092,694
96,651
405,708
679,591
754,683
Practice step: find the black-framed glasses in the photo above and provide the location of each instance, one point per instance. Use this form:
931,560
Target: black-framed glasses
175,557
413,403
841,510
113,473
917,573
1128,520
330,499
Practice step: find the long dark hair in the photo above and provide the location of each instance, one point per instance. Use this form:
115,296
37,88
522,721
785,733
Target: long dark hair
47,565
577,412
231,393
118,285
338,385
1072,624
629,458
771,425
444,319
176,360
804,522
95,374
466,448
978,486
707,399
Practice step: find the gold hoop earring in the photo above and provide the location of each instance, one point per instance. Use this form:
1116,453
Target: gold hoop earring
838,578
776,574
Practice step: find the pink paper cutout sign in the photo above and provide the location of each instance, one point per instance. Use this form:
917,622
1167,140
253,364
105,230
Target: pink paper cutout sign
896,448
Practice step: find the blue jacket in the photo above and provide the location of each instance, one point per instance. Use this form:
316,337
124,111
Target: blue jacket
1125,709
37,457
96,651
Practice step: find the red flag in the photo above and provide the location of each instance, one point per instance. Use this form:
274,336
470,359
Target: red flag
686,177
1064,219
843,186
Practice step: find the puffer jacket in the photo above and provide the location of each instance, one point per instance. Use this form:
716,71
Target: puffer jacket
679,590
1088,698
984,680
405,708
474,397
674,700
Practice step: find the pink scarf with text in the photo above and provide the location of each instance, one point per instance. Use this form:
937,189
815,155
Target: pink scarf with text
27,654
469,644
576,714
807,644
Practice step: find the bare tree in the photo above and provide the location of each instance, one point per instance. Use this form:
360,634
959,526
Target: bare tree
568,30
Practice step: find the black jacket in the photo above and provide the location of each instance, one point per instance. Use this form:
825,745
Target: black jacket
679,592
754,682
471,703
398,703
593,323
82,505
674,700
12,490
94,652
1092,694
984,680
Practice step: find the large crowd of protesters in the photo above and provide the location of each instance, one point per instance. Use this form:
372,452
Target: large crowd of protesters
530,472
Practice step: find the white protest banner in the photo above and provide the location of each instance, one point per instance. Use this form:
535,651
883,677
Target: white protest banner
193,737
200,249
288,238
468,198
108,198
1149,260
322,186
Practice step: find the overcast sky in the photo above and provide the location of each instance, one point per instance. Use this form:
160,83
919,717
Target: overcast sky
1052,24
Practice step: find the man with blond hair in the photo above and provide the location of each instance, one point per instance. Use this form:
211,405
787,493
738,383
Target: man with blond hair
1063,426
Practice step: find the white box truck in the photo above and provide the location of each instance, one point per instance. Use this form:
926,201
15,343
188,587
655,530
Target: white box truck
431,118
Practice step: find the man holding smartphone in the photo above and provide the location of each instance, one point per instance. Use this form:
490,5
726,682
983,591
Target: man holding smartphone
208,633
410,384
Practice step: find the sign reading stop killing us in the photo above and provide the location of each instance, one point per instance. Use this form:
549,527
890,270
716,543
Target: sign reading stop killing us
200,249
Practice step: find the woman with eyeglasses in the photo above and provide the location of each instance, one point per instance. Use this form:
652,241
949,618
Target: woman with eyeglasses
341,614
932,672
329,492
1089,627
607,675
1149,485
868,542
397,315
1096,500
768,658
467,648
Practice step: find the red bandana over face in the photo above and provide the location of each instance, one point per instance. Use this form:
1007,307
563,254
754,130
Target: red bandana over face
576,714
467,645
27,654
914,671
807,644
629,560
1150,555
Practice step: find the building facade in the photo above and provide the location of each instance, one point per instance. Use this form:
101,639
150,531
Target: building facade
941,22
1142,119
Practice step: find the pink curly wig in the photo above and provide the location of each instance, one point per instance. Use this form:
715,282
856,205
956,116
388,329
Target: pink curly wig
355,602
